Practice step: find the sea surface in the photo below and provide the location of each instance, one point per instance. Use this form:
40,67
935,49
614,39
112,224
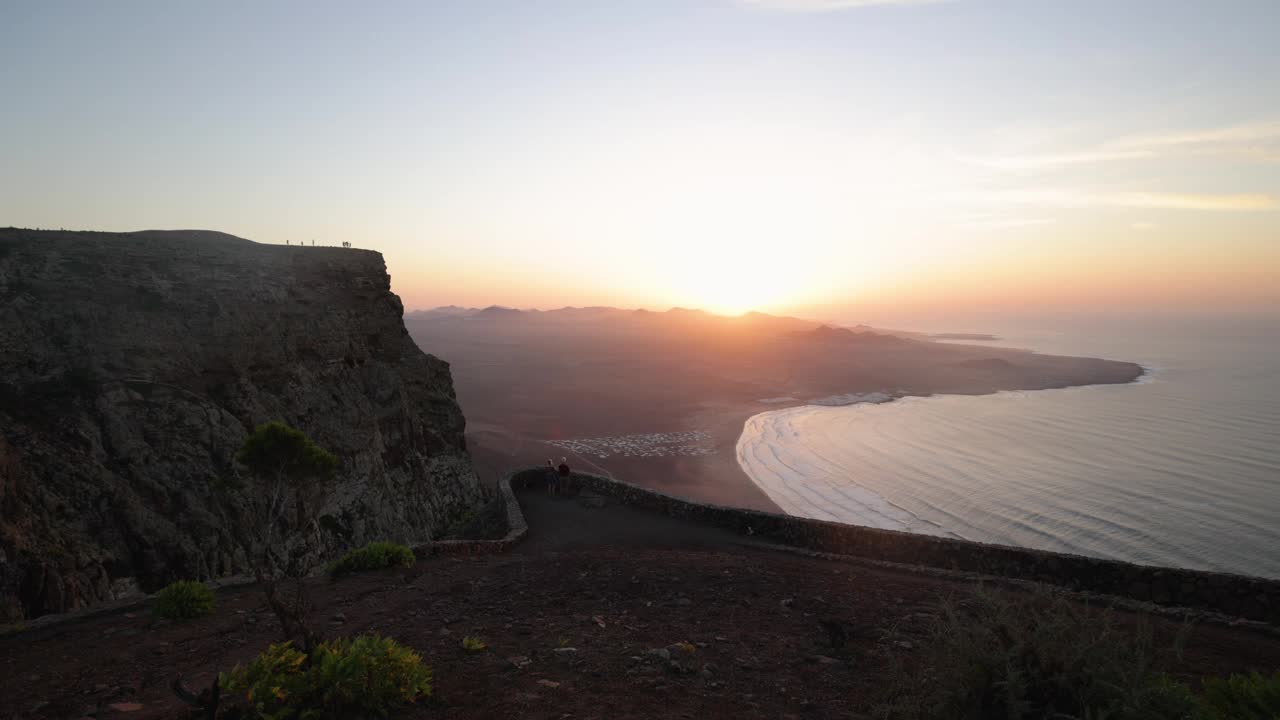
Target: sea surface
1179,469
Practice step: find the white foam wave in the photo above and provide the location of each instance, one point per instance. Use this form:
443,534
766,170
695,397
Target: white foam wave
808,486
1175,469
1148,376
874,398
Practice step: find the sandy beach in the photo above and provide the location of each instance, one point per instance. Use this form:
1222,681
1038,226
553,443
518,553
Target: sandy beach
714,477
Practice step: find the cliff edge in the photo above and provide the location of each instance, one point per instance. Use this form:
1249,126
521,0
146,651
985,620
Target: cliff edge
133,365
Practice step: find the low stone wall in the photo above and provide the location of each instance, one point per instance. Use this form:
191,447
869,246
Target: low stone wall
1236,595
517,528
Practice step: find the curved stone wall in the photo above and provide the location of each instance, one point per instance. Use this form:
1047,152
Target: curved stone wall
1237,595
517,528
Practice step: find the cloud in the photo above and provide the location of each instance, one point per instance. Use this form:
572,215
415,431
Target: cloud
1075,199
1257,142
1000,223
1044,198
1184,201
1051,161
1246,134
826,5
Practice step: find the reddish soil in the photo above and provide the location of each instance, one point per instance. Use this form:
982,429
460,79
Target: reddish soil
611,583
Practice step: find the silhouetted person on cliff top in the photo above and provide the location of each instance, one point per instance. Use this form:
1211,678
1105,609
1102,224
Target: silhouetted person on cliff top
564,474
551,477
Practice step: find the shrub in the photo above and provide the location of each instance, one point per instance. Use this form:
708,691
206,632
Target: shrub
1240,697
372,557
184,599
278,452
364,676
291,476
1016,657
471,643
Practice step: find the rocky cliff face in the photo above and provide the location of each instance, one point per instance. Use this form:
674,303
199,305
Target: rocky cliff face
133,365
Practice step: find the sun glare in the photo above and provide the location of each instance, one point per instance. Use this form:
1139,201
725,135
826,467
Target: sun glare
731,298
735,284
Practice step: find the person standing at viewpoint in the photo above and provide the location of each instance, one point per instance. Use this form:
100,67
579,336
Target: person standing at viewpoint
564,472
551,477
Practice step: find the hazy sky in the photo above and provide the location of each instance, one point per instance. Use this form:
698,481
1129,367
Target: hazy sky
899,157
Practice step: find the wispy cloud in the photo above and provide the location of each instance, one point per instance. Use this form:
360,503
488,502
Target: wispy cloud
1257,142
1200,201
1002,223
1069,199
1250,133
1050,161
1043,198
827,5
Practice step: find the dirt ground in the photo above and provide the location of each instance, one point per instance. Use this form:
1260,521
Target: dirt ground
601,613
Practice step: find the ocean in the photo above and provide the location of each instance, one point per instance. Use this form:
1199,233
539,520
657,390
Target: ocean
1180,469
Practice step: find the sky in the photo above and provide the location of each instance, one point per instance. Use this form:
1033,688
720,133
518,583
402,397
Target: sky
889,161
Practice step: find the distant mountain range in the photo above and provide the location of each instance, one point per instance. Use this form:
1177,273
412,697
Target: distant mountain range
590,319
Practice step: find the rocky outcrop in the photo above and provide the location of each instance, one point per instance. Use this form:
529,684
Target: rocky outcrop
133,365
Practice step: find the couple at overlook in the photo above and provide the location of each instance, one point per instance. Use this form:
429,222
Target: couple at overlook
558,476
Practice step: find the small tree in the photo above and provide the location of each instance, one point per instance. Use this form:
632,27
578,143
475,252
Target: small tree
291,473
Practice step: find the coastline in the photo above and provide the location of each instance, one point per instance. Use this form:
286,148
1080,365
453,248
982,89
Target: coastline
861,506
720,478
717,478
714,478
1116,473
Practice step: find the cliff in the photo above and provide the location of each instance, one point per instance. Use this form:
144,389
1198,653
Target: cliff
133,365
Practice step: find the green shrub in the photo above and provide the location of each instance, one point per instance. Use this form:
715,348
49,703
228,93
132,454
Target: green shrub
1240,697
1022,656
471,643
372,557
184,599
364,676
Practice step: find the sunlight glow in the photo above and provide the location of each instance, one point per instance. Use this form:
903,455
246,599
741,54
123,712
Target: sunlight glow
745,154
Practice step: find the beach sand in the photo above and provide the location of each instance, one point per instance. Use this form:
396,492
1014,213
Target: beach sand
712,478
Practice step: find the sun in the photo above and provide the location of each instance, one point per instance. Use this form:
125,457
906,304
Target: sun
732,296
730,255
735,285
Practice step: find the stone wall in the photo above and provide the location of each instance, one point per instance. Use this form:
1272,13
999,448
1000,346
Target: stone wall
517,528
1236,595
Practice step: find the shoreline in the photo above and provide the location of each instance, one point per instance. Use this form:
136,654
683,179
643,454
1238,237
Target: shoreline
1033,494
896,517
719,478
499,445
